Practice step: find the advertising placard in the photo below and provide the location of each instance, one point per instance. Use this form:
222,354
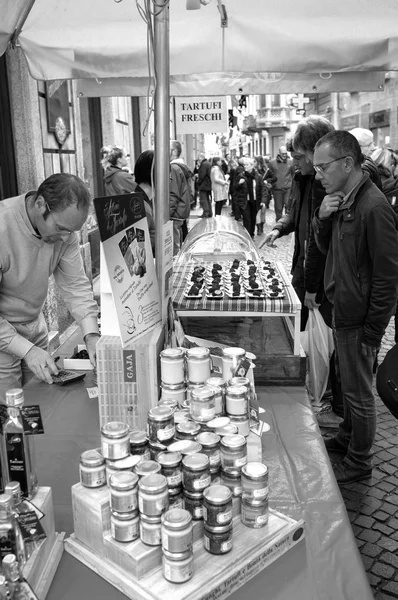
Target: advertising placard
124,233
204,114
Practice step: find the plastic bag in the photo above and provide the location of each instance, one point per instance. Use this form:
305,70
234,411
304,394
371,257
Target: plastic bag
317,343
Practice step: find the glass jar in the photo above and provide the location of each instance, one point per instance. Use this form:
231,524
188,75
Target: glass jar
217,505
254,515
178,393
155,448
181,416
139,444
126,465
218,540
172,366
233,453
177,567
203,404
242,422
236,401
125,526
246,382
168,402
191,387
176,498
123,491
187,430
210,443
153,495
254,477
231,358
151,530
185,447
160,424
194,504
198,364
219,384
115,440
177,530
195,472
170,463
147,467
92,469
233,482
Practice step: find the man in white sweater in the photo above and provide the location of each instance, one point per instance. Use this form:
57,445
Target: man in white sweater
38,239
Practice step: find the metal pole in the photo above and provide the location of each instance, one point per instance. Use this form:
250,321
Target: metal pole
162,139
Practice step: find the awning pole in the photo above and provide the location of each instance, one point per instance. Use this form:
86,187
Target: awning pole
162,138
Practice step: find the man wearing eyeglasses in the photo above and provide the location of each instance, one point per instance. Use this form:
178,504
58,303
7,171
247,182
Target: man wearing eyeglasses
357,230
38,239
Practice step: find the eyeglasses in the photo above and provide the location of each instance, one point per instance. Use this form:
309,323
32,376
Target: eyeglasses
321,168
61,230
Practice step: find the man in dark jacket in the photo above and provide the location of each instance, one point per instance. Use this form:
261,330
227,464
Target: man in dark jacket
251,193
180,193
117,179
204,186
357,230
283,170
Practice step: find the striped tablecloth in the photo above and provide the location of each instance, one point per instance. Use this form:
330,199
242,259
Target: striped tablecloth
181,303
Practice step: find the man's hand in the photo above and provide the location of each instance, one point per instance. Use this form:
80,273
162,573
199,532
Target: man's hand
41,364
330,204
271,237
369,350
91,340
309,301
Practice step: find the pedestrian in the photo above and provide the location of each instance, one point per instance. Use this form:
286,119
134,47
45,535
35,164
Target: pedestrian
204,186
143,174
37,240
364,138
357,230
117,179
250,194
260,167
383,160
219,184
180,193
233,171
283,170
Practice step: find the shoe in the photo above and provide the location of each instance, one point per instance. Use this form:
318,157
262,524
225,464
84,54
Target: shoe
332,445
345,474
327,418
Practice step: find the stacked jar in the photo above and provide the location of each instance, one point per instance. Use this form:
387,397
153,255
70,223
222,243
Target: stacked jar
177,545
160,428
195,479
220,385
198,363
115,448
210,443
170,463
238,406
153,501
172,375
254,505
124,506
231,358
217,516
233,458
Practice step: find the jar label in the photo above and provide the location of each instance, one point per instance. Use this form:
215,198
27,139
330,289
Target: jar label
206,542
262,493
224,517
215,458
179,503
208,413
239,462
126,532
201,484
174,480
226,546
198,512
177,573
124,504
262,519
237,490
166,434
92,480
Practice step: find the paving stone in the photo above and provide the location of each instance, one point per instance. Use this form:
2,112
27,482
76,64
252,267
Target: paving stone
369,535
381,596
371,550
384,529
364,521
369,562
376,493
394,462
392,499
391,588
383,444
373,580
365,509
392,480
382,570
360,543
393,450
390,558
388,544
391,509
384,455
356,530
393,523
389,469
374,503
387,487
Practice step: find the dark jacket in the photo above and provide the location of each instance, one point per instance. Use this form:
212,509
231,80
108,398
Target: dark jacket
180,191
369,166
390,190
149,217
361,244
204,181
283,171
118,181
241,193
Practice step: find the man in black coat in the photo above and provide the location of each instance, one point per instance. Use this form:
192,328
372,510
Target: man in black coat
251,193
204,186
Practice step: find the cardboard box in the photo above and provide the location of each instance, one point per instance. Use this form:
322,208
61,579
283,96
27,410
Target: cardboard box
78,364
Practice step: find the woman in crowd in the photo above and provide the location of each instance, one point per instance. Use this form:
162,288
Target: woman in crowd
383,159
219,184
117,179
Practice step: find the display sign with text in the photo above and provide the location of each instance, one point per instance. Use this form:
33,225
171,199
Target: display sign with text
124,233
204,114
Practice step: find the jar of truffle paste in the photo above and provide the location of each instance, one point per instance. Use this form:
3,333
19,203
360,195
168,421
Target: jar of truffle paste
218,540
233,482
195,472
92,469
151,530
147,467
124,492
178,393
176,497
210,443
203,403
139,444
125,526
172,366
187,430
160,424
198,364
153,495
126,465
254,515
177,566
115,440
254,478
170,463
177,530
233,452
236,401
217,505
219,384
231,358
194,504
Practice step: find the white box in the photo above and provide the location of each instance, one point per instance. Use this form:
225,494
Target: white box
78,364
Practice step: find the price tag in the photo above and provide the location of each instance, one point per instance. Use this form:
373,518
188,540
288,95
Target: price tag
92,392
30,526
32,420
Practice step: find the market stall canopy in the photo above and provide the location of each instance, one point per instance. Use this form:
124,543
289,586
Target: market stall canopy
76,39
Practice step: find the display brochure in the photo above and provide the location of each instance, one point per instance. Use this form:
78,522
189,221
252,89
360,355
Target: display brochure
124,234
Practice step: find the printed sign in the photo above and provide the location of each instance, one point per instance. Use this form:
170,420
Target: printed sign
204,114
124,233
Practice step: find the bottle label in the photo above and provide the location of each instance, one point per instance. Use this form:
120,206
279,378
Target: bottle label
32,420
261,493
224,517
215,458
166,434
239,462
16,460
226,546
201,484
174,480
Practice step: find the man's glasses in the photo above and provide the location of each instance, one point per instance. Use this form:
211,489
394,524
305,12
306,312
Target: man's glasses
61,230
321,168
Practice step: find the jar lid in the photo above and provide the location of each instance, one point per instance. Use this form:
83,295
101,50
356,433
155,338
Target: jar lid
153,483
216,382
217,494
193,386
146,467
14,397
181,416
169,459
173,387
233,352
198,353
125,516
160,413
238,391
168,402
124,480
194,495
229,429
188,427
173,353
254,470
233,441
138,437
239,381
177,556
176,518
115,429
196,462
157,446
207,438
92,458
124,464
152,520
218,528
204,392
185,447
218,422
228,475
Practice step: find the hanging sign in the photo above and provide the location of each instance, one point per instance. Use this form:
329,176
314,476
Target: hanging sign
124,233
202,114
